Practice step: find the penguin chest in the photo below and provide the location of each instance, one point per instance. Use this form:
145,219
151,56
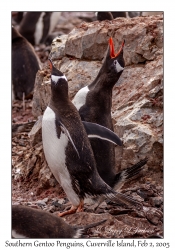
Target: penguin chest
55,153
80,98
54,147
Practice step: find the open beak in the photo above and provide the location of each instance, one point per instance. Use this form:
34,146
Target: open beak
50,64
112,51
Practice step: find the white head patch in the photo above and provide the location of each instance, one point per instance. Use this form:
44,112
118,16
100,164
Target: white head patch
56,78
118,66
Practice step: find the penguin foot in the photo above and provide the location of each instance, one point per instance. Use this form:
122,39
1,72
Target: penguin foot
80,207
72,210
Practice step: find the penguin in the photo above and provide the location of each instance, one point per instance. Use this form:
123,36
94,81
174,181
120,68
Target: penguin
94,104
34,223
25,64
68,151
107,15
132,14
151,13
36,26
17,16
104,15
116,14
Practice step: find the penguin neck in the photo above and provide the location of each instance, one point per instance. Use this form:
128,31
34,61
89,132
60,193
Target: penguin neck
59,98
103,81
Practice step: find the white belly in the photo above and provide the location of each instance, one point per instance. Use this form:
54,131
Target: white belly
80,98
17,235
54,150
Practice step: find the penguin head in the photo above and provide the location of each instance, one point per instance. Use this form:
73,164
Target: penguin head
59,85
114,61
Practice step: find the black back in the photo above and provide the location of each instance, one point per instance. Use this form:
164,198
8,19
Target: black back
25,65
104,15
28,25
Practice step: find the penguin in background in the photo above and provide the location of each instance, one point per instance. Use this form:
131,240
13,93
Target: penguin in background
37,26
34,223
151,13
68,151
94,104
107,15
25,64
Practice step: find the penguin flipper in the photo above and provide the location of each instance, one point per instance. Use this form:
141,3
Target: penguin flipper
95,130
66,132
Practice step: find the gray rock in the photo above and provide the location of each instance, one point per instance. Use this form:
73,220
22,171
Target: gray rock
42,202
58,47
121,226
153,215
156,201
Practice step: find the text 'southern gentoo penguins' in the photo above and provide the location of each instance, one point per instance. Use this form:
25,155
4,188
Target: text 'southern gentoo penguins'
34,223
25,65
36,26
68,151
94,104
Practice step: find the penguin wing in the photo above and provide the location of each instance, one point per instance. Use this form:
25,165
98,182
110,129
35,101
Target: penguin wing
60,127
95,130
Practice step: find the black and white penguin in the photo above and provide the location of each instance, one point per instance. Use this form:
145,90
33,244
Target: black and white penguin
94,104
34,223
36,26
107,15
68,151
104,15
25,64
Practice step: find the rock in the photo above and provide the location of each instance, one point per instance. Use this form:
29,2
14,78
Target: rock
60,206
153,215
156,201
145,193
137,98
35,134
137,108
58,47
22,127
143,37
121,226
42,202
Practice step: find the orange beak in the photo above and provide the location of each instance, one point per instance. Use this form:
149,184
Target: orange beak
50,64
112,51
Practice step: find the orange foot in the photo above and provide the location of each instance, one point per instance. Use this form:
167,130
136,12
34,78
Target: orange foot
73,209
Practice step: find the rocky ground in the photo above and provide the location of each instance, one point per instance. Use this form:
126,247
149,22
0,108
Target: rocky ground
40,190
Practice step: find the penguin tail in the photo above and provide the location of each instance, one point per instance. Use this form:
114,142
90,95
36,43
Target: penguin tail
123,199
104,189
83,229
128,174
